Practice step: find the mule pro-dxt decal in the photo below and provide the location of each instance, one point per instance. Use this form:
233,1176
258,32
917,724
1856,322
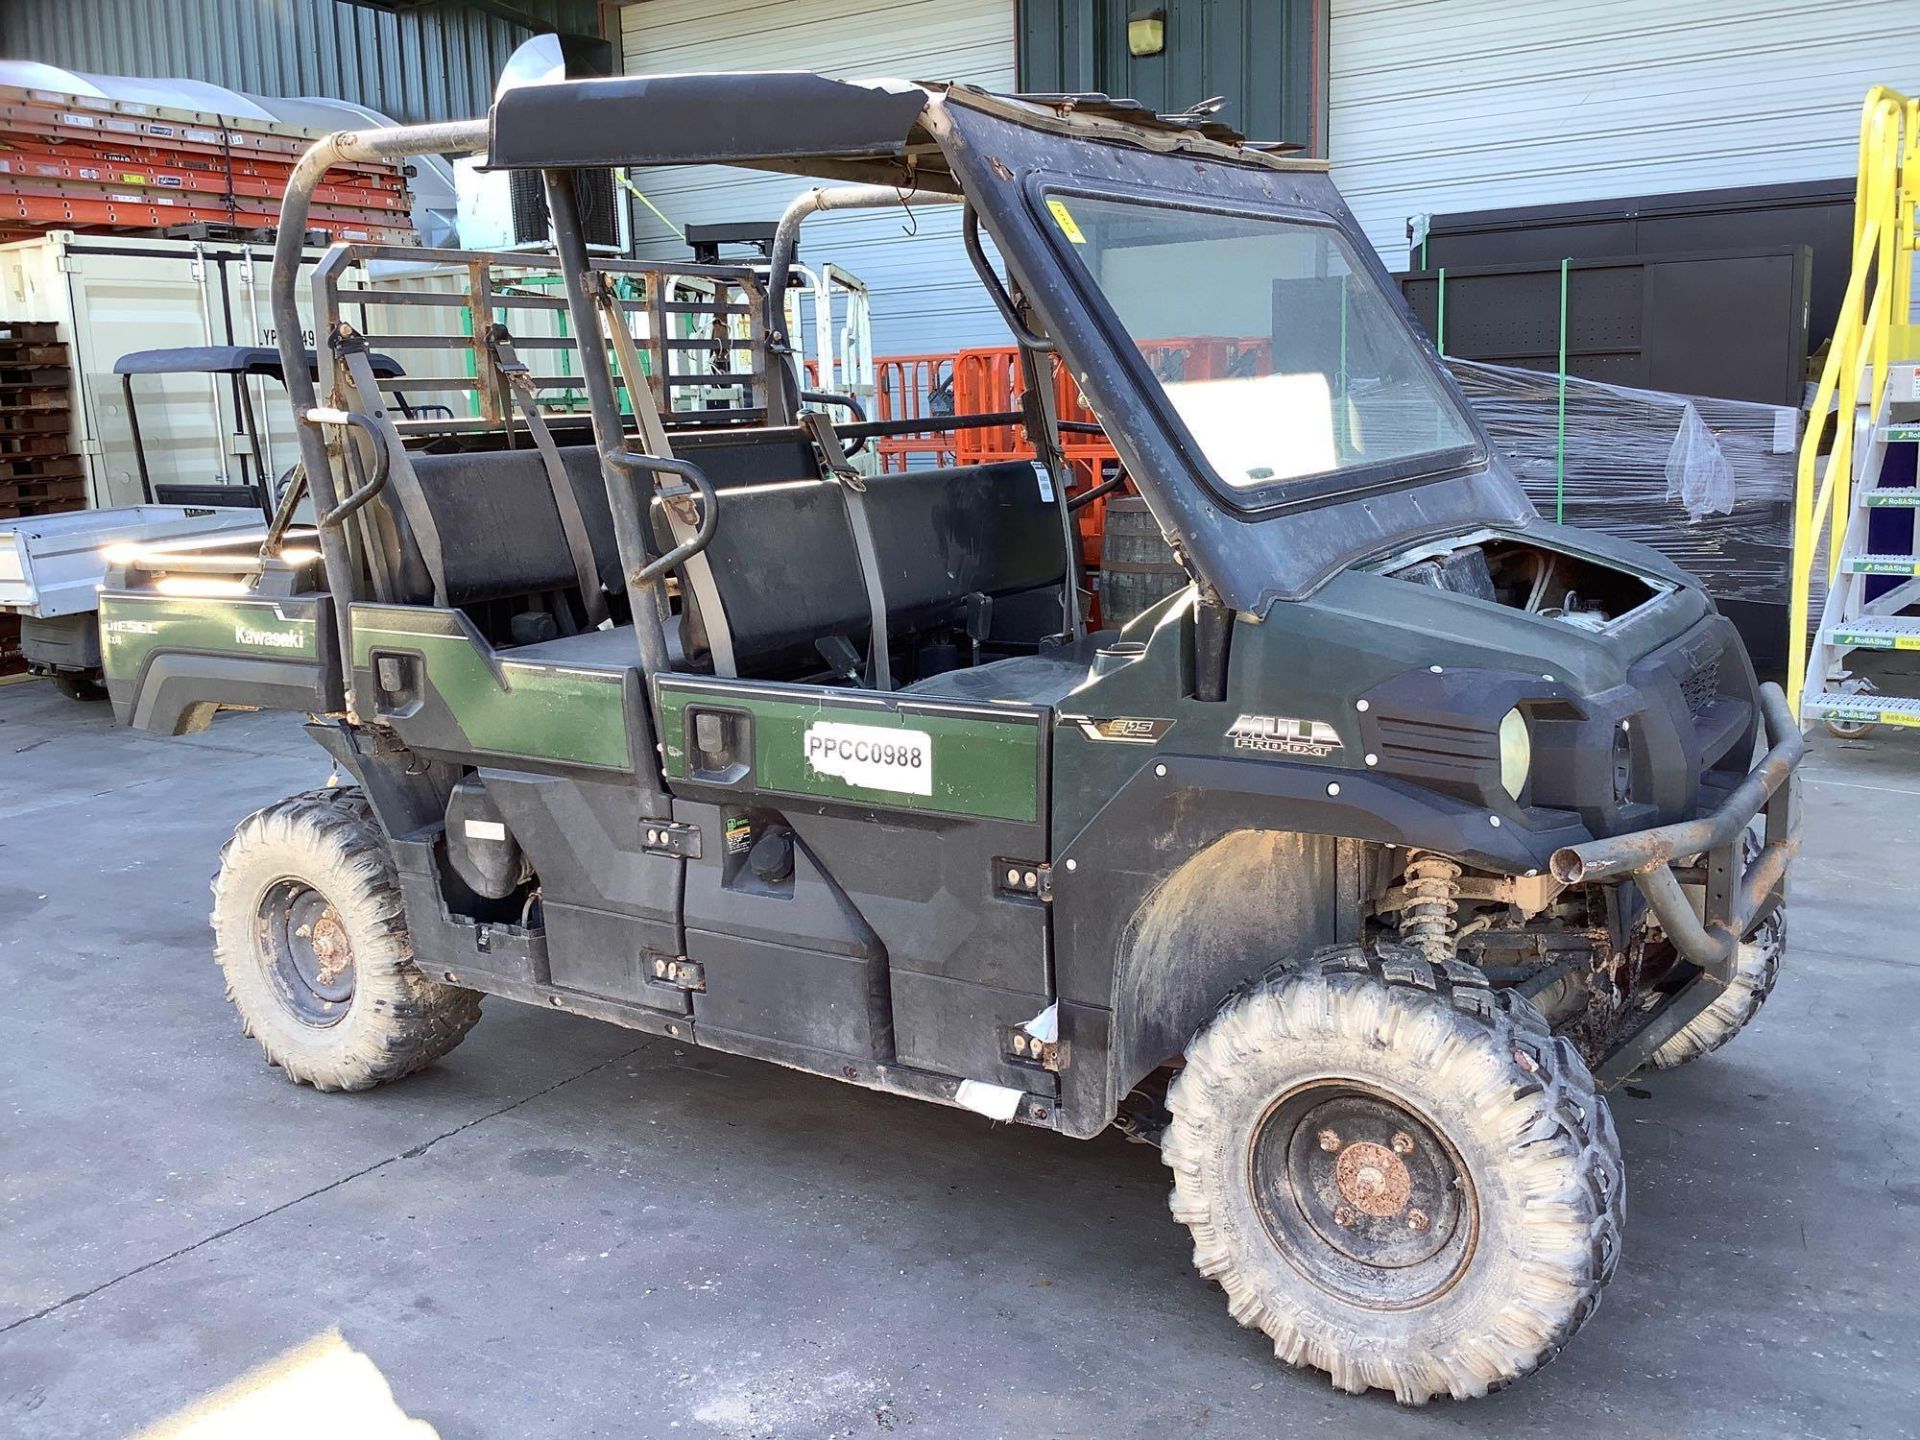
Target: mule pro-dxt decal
1284,735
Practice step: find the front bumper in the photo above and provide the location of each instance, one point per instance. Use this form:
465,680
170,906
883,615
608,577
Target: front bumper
1738,897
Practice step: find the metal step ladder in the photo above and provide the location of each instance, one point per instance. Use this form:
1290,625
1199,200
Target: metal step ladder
1869,393
1850,620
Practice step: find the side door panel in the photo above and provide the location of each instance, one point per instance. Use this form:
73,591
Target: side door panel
912,811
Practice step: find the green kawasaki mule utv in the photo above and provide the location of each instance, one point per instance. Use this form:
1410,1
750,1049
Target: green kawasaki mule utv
1350,876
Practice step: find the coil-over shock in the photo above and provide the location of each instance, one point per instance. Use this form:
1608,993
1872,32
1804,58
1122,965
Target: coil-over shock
1432,885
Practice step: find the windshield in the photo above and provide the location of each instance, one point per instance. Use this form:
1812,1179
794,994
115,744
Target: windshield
1275,348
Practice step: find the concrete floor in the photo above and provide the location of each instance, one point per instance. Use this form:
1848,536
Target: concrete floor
569,1230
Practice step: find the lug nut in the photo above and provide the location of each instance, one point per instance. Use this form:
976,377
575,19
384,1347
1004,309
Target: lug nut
1417,1220
1402,1143
1329,1139
1344,1217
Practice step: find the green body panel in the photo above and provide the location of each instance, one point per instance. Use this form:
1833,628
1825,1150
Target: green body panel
985,760
569,714
134,624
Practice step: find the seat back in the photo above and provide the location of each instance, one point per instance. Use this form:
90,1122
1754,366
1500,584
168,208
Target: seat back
499,529
787,572
730,462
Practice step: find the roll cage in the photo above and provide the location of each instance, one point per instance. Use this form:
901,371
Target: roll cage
895,143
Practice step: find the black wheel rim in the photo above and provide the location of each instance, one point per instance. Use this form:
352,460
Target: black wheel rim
1363,1195
304,948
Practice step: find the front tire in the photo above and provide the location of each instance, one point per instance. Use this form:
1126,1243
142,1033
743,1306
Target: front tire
1397,1173
310,930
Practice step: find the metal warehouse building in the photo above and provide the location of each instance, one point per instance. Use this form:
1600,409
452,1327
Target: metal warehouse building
1424,106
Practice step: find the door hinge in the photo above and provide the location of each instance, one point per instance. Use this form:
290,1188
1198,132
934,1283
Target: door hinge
679,972
671,837
1018,1047
1031,878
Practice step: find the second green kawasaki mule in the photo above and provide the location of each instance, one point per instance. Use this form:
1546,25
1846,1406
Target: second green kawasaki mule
1350,875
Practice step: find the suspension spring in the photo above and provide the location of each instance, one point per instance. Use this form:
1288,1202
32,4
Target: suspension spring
1432,884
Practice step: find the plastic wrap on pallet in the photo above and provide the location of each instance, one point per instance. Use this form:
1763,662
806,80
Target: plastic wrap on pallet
1707,482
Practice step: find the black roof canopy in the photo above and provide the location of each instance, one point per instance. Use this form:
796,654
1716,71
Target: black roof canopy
226,360
757,118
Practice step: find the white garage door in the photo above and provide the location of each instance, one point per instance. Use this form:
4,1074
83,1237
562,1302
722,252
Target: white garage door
1444,105
925,297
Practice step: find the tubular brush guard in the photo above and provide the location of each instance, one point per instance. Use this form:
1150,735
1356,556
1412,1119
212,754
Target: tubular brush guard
1735,903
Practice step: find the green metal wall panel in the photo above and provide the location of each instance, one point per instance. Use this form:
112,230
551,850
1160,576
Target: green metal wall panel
1266,58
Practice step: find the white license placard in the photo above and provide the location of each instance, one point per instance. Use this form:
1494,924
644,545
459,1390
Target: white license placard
873,757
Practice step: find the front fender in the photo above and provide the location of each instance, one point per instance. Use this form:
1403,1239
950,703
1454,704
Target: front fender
1201,871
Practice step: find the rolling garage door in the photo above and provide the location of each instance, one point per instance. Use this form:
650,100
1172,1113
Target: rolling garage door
925,297
1445,105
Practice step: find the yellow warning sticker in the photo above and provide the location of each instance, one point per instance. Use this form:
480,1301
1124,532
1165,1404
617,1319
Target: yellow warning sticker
1063,217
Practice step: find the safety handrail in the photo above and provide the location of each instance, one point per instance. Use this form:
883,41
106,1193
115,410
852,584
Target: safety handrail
1873,319
694,481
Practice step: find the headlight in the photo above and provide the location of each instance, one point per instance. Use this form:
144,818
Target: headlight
1516,753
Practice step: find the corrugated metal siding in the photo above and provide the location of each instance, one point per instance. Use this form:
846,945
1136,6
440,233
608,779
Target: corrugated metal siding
1265,58
1445,105
436,64
925,296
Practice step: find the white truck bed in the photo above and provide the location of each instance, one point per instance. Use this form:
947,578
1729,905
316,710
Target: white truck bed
52,564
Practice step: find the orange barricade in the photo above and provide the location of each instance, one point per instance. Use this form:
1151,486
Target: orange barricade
913,387
988,382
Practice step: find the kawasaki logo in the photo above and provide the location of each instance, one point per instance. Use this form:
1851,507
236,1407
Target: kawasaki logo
1283,735
277,639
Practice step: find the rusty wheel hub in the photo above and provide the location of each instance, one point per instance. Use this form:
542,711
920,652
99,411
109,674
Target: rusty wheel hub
1362,1194
331,953
305,949
1371,1178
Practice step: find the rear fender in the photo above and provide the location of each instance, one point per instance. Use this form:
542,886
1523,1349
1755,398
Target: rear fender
172,660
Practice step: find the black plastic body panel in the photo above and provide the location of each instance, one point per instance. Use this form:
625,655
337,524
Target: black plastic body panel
61,642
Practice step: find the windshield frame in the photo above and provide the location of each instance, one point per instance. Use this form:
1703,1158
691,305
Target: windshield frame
1318,488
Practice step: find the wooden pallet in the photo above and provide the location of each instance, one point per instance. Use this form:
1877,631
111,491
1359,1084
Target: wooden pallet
29,355
39,473
40,467
14,447
37,488
12,662
30,509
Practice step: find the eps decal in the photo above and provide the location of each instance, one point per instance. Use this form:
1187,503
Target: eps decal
1284,735
1127,729
872,757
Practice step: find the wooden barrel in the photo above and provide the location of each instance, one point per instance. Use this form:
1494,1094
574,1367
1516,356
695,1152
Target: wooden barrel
1137,568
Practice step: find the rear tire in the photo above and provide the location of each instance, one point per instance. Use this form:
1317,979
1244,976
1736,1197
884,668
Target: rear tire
1397,1173
311,932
